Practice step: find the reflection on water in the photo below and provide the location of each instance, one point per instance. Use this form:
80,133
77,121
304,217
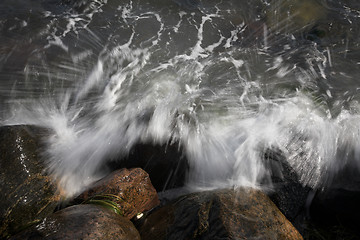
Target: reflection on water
226,79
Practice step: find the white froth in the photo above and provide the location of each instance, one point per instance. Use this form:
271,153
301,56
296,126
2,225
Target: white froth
225,119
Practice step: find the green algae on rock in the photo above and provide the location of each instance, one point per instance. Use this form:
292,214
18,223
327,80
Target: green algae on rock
133,188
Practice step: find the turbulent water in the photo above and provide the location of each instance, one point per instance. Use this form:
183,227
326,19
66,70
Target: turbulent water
227,80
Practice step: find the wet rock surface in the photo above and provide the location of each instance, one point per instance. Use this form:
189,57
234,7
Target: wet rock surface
288,194
335,209
27,193
166,164
334,214
329,212
132,186
82,222
221,214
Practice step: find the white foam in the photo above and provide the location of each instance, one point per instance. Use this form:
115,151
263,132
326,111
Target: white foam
225,119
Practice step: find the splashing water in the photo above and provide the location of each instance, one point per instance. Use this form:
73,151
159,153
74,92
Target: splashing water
226,80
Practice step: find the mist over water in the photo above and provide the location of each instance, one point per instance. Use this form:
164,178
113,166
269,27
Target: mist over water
227,80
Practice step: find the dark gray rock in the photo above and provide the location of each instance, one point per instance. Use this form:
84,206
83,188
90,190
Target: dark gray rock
87,222
27,193
335,208
222,214
288,194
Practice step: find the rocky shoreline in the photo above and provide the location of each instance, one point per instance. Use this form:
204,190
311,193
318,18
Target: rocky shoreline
126,205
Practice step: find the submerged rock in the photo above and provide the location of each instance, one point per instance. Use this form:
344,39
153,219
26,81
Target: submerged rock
27,193
82,222
290,16
221,214
133,189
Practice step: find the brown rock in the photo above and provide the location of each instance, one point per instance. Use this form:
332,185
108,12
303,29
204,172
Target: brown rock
222,214
166,164
27,193
132,186
86,221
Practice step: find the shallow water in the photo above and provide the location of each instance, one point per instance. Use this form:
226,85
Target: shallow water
227,80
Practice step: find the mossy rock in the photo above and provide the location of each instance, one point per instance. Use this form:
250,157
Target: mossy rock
129,189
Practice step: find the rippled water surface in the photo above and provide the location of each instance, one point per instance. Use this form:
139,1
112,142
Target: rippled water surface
227,80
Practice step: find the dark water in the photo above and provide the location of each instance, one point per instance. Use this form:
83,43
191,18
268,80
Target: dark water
226,79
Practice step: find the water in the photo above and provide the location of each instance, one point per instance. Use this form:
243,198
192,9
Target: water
227,80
